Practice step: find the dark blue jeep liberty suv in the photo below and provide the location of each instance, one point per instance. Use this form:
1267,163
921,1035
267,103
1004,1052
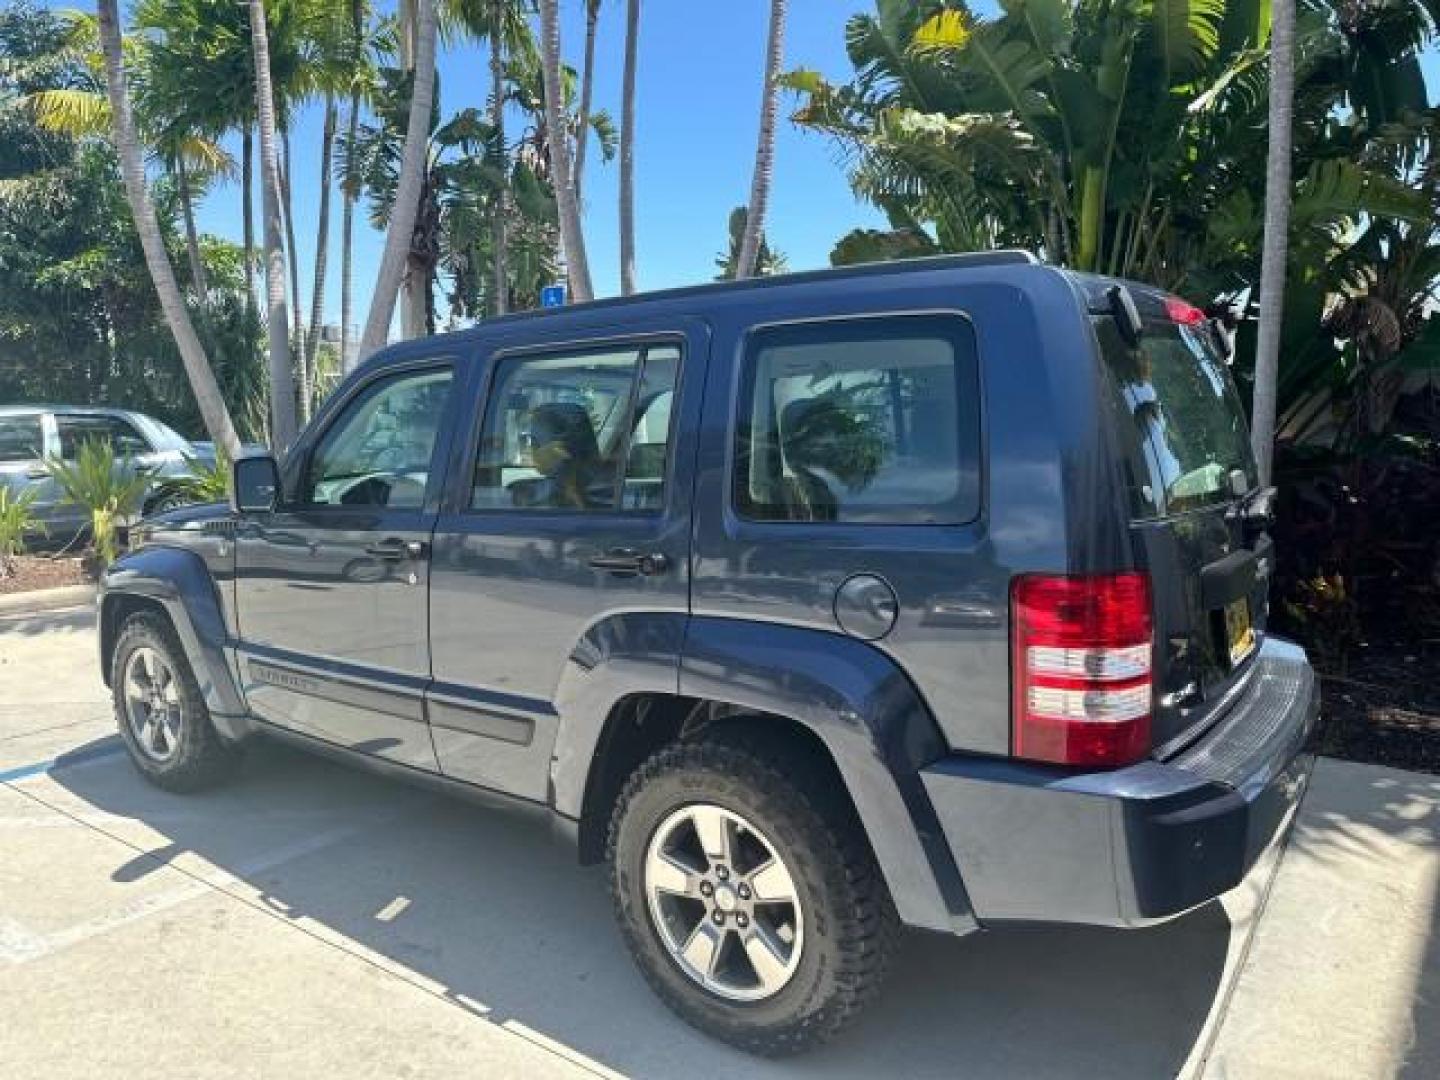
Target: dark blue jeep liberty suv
928,594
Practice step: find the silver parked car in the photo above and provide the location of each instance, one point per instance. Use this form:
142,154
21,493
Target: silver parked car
31,434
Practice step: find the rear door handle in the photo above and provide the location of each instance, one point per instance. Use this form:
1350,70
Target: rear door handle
624,562
395,550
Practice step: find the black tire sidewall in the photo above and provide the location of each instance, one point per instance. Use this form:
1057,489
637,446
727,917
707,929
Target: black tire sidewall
787,820
200,757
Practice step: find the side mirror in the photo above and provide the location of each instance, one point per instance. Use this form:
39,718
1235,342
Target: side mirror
254,484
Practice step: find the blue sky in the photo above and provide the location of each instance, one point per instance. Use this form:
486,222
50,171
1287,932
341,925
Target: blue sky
697,110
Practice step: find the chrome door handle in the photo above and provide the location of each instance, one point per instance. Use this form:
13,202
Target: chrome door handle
395,550
624,562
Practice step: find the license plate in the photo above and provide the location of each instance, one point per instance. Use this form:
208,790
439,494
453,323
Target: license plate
1239,634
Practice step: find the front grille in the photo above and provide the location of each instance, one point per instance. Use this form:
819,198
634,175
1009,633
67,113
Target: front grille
1270,715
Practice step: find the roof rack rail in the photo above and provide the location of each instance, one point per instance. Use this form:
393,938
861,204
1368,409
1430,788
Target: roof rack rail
957,261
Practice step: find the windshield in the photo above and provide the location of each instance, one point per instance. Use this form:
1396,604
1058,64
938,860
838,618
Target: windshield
1188,426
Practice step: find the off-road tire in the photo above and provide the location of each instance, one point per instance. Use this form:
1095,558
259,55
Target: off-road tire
203,759
851,925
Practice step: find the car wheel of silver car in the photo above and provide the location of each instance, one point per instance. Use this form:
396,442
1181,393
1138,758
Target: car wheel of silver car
161,712
748,893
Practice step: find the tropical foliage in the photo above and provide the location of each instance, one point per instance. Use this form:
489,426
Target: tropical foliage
1128,137
17,524
79,317
109,487
767,260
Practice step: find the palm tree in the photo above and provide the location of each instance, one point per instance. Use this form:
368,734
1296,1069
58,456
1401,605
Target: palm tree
341,69
627,151
409,188
767,260
191,159
499,234
587,87
322,245
765,148
282,382
572,233
361,70
502,25
1277,229
192,353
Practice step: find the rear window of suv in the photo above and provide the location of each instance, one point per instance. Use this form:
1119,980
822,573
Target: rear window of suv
1181,417
866,420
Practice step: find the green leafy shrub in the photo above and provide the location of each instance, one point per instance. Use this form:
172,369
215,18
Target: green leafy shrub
17,519
109,487
206,484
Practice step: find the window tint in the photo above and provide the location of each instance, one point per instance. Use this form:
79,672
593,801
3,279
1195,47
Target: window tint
1188,424
379,451
580,431
21,438
863,421
124,440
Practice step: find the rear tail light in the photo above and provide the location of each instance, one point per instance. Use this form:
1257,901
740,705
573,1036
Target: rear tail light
1081,655
1186,314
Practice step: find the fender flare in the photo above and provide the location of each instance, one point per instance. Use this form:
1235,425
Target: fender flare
849,694
179,583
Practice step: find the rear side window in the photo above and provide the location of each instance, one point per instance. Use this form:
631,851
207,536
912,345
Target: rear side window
872,421
20,438
1187,430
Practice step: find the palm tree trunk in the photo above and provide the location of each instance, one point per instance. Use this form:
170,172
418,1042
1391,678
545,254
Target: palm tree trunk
297,337
587,88
192,353
282,378
192,238
627,150
765,148
347,246
411,305
1277,234
322,244
572,233
499,226
409,187
247,215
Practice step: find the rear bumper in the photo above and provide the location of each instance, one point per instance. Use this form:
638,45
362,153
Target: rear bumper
1140,844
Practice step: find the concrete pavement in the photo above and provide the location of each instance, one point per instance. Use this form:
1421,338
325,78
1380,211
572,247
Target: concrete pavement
309,920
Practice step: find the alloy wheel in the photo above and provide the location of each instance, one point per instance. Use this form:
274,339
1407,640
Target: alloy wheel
724,902
152,704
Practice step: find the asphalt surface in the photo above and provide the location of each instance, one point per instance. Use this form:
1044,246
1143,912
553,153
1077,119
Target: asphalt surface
310,920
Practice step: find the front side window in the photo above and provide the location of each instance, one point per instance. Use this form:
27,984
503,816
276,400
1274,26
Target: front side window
869,421
75,431
21,439
584,431
380,450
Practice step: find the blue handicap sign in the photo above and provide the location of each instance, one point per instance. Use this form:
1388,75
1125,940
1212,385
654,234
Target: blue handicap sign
552,296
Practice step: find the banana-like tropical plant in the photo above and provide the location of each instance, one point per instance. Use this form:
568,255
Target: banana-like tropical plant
1123,136
109,487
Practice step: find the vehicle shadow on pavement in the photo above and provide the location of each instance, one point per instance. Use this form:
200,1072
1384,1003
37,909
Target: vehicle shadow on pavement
65,621
491,907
